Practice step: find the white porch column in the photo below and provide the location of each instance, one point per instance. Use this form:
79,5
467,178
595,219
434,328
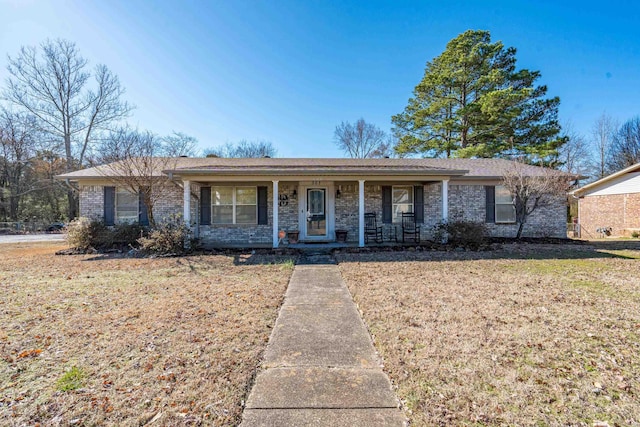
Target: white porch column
275,214
361,213
445,200
186,209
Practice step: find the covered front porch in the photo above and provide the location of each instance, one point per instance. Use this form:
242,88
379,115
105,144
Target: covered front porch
317,209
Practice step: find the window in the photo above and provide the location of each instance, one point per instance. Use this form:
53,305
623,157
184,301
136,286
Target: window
126,206
402,201
505,210
234,205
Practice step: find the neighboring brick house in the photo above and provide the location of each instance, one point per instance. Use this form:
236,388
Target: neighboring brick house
230,202
611,203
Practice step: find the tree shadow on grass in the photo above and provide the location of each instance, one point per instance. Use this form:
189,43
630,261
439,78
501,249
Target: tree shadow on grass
513,251
562,249
197,261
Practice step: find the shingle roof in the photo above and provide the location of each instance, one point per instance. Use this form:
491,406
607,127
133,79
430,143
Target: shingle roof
465,168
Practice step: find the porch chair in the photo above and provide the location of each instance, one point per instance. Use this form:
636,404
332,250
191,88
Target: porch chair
409,227
371,228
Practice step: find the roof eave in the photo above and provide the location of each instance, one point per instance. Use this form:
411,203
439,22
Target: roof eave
317,171
579,191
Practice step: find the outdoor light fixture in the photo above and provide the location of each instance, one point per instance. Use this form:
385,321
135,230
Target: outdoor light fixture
338,194
294,195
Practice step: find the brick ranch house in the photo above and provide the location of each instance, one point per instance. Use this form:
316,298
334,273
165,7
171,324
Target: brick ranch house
247,202
611,203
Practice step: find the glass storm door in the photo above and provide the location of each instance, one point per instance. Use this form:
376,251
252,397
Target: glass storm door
316,212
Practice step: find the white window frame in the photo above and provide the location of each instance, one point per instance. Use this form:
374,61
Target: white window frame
412,205
234,204
126,220
511,220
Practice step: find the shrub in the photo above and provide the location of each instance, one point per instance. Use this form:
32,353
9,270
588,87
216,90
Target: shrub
635,234
128,234
84,233
468,234
73,379
168,238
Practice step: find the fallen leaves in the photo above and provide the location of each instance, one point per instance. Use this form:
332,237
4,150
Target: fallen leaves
152,345
29,353
484,338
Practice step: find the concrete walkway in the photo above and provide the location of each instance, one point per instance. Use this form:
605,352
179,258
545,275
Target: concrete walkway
320,367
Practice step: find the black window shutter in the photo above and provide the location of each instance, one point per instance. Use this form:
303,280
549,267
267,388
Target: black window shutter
205,205
263,213
143,213
387,214
491,203
418,203
109,205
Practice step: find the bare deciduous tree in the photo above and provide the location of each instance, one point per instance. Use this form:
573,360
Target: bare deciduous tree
575,155
625,146
52,84
243,149
134,160
179,144
531,192
602,133
18,141
46,196
362,140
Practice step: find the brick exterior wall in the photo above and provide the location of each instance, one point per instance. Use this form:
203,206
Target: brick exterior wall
247,235
621,212
92,201
432,208
170,205
466,202
288,212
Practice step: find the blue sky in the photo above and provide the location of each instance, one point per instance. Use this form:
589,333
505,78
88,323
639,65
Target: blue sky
290,71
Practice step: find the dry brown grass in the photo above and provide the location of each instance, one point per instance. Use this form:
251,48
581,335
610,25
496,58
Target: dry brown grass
476,339
174,340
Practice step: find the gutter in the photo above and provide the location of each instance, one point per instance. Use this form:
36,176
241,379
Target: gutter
316,172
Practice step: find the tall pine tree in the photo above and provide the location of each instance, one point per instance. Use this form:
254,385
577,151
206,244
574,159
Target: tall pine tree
472,102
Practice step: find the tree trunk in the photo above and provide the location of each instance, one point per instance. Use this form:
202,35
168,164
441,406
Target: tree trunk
152,221
72,207
14,202
520,228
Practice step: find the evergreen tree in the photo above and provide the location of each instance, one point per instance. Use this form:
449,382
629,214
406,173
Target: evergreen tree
472,102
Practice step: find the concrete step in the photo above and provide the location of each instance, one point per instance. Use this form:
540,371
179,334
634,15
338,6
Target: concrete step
365,417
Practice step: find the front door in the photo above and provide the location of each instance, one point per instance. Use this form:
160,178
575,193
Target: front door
316,211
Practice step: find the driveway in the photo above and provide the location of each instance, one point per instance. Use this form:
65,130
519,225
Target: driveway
21,238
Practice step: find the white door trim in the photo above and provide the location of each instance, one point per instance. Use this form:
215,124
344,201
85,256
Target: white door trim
330,210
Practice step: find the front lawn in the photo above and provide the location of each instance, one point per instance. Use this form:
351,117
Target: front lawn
528,335
92,340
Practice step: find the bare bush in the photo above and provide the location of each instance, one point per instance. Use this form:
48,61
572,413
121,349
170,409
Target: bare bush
169,238
85,234
532,191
